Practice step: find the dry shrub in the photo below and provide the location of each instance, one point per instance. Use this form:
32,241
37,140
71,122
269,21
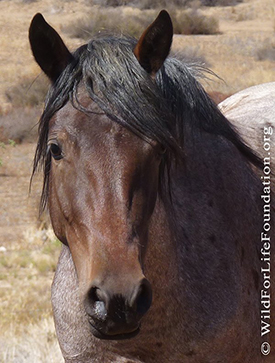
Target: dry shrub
29,92
144,4
266,51
156,4
19,125
111,20
220,2
193,22
114,21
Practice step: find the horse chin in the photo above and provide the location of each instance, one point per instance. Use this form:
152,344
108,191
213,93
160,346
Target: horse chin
103,336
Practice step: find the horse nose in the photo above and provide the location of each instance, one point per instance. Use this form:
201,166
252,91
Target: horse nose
117,315
141,298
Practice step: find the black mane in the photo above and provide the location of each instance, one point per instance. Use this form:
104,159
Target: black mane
164,109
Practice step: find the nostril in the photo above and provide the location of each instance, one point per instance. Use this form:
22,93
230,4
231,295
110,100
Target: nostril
93,294
143,297
97,304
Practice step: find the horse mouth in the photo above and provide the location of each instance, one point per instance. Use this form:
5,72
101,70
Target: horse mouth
103,336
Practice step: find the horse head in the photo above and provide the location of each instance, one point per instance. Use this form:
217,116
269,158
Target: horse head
102,185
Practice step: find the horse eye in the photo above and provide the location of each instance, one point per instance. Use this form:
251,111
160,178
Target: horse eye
56,152
162,150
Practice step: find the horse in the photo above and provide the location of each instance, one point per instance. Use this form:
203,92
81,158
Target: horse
158,203
250,111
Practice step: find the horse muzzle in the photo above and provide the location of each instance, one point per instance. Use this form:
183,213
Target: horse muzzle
117,316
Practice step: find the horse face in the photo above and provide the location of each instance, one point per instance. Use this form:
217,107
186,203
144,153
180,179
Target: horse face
102,188
102,191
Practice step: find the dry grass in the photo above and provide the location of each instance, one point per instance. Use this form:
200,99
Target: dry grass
144,4
29,92
20,125
109,20
194,22
153,4
191,55
266,51
25,308
28,256
116,21
220,2
25,278
36,343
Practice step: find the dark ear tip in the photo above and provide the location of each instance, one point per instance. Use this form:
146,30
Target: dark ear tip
38,15
164,17
164,14
164,21
37,22
37,18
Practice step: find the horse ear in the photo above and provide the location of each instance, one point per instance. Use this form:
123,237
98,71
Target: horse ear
48,48
154,45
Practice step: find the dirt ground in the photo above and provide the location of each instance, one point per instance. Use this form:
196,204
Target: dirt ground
28,256
18,207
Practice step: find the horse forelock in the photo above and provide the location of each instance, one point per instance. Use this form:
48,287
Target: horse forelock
167,109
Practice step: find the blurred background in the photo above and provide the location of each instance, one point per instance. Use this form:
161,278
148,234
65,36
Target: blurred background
234,38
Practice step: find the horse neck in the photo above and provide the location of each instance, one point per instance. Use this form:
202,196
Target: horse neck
211,228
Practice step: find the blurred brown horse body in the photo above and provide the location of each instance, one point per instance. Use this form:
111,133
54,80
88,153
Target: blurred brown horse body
153,195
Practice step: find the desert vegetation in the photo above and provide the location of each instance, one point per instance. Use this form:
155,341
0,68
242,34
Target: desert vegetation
267,50
232,37
185,20
150,4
